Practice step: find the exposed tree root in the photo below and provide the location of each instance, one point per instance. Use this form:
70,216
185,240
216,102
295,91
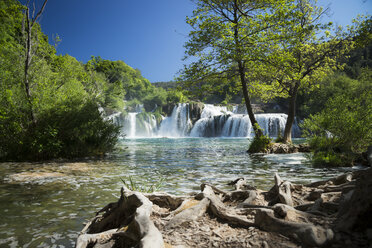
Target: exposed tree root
291,215
307,234
125,224
189,214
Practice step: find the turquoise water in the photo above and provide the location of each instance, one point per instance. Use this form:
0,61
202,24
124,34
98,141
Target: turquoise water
45,204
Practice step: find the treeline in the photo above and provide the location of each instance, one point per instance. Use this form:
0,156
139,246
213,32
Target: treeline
49,103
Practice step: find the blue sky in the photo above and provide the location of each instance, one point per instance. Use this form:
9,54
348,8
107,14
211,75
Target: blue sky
146,34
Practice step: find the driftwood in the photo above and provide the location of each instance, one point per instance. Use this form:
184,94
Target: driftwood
128,222
220,210
308,215
189,213
307,234
281,192
344,178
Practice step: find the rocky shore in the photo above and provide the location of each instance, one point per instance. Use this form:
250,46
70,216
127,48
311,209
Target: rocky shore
331,213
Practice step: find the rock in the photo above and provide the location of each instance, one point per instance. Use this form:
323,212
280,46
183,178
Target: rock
33,177
303,148
280,148
168,108
356,212
195,111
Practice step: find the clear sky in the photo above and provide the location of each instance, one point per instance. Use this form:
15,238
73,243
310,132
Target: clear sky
146,34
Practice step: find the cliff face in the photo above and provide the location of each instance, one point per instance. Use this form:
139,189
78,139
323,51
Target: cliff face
195,111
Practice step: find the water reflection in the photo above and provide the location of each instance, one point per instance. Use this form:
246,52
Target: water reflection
45,204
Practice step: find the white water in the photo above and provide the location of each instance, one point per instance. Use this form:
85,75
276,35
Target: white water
132,125
215,121
178,124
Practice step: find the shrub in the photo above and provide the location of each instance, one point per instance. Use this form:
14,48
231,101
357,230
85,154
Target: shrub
342,131
260,143
75,129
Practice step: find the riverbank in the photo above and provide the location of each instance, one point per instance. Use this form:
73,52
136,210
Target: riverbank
330,213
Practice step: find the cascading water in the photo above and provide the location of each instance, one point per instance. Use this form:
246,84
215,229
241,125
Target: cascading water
178,124
219,122
135,124
215,121
132,125
238,125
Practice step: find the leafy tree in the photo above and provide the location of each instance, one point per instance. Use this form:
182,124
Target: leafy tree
124,82
156,98
226,41
48,103
29,40
330,87
342,131
305,52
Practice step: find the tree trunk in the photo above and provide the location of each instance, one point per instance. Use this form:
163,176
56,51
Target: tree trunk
243,80
28,50
287,137
247,100
27,64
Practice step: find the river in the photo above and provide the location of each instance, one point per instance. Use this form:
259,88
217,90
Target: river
45,204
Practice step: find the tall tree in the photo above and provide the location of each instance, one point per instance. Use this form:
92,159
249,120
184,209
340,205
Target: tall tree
306,51
30,21
226,39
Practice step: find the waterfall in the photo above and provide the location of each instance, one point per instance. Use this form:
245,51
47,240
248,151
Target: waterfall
132,125
219,122
178,124
210,110
215,121
135,124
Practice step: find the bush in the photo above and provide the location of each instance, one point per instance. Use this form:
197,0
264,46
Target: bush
260,143
75,129
328,151
342,131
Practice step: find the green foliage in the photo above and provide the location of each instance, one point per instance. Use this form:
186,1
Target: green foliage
71,129
123,82
176,96
157,97
304,54
260,143
344,126
142,187
64,98
328,151
333,85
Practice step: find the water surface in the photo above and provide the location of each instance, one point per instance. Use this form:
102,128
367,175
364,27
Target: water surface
45,204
